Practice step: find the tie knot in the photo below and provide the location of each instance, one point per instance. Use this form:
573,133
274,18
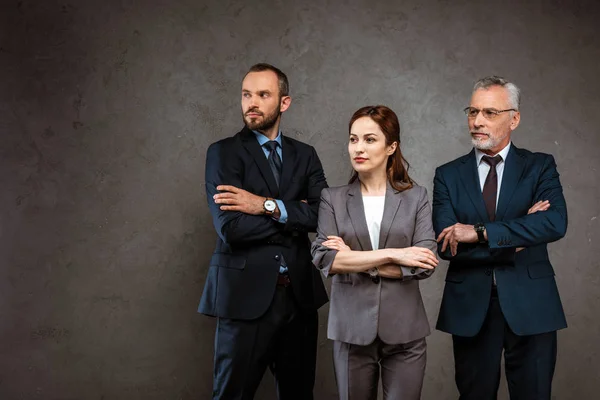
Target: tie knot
492,161
271,145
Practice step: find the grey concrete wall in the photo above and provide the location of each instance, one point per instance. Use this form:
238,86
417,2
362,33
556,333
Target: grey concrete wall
106,111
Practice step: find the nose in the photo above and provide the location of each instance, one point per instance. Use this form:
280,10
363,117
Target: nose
358,147
479,119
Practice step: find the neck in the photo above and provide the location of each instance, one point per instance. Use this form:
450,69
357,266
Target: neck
373,184
271,132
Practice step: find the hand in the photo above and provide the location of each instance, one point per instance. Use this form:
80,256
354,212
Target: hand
541,205
392,271
236,199
336,243
455,234
415,257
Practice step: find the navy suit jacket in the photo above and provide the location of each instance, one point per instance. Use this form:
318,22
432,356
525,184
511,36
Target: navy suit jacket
243,270
525,280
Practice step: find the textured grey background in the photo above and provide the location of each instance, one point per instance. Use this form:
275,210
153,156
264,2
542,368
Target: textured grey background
106,111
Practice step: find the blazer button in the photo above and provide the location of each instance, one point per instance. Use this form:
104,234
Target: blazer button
413,271
277,257
488,272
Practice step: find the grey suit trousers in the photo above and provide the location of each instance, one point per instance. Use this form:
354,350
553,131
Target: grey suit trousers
401,366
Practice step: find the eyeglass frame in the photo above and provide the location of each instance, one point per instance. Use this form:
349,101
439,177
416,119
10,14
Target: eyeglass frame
493,112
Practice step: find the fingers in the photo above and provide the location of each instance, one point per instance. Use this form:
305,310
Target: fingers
227,188
423,256
453,247
447,240
444,233
231,208
539,206
334,245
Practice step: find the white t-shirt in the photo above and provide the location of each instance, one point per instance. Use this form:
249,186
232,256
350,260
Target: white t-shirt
374,214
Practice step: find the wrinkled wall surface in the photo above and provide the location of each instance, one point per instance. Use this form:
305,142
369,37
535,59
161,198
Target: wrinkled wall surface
106,111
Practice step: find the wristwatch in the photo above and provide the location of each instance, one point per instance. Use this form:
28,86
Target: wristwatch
269,206
479,228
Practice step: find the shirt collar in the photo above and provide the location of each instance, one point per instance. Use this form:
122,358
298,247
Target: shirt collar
262,139
503,153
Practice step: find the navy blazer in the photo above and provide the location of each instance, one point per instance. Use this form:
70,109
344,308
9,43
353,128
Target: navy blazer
526,286
243,270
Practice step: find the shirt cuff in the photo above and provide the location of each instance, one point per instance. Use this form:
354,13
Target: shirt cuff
282,212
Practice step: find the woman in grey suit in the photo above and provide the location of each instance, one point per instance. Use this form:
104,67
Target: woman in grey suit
376,239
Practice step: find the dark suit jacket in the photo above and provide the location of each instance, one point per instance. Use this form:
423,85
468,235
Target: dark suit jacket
361,310
526,287
243,270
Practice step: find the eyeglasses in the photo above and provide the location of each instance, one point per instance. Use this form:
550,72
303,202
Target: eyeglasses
488,113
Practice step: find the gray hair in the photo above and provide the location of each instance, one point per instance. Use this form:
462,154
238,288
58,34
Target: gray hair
514,93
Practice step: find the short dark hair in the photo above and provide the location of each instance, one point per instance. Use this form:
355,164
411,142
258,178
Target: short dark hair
284,86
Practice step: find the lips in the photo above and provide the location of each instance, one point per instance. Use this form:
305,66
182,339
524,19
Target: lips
360,159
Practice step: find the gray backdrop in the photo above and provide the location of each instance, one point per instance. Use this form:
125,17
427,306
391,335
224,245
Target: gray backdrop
106,111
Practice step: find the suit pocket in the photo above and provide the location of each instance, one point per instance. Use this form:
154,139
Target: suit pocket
224,260
454,275
541,269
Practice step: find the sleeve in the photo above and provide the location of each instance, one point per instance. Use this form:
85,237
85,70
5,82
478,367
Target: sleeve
537,228
423,236
302,216
322,256
444,216
233,226
282,212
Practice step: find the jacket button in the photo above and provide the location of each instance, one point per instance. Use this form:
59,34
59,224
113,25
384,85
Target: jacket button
277,257
413,270
488,272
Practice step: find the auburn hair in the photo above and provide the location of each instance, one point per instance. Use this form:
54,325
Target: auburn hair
397,166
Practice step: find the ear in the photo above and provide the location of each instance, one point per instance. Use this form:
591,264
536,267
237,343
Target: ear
392,148
516,119
284,103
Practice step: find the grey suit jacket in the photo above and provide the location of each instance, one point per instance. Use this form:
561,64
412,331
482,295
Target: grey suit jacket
361,310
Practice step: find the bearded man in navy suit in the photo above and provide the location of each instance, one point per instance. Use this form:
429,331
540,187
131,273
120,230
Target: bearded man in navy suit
263,191
494,211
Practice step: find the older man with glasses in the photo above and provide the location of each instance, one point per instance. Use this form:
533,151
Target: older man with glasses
494,212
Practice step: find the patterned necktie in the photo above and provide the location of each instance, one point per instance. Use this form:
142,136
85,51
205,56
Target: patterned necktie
274,159
490,187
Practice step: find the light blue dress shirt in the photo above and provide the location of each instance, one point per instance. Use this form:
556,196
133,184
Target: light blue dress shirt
262,139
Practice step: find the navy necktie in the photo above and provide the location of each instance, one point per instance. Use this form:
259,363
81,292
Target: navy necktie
490,187
274,159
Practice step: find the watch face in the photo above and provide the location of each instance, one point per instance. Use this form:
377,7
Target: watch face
270,205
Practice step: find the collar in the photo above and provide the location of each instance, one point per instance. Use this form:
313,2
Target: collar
503,153
262,139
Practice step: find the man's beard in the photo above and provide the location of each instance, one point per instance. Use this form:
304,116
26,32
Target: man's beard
267,121
486,144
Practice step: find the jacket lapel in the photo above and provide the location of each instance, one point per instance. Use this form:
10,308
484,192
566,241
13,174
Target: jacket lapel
251,144
289,163
470,179
392,203
356,212
513,170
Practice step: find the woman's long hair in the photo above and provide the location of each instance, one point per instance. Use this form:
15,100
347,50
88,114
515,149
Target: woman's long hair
397,166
